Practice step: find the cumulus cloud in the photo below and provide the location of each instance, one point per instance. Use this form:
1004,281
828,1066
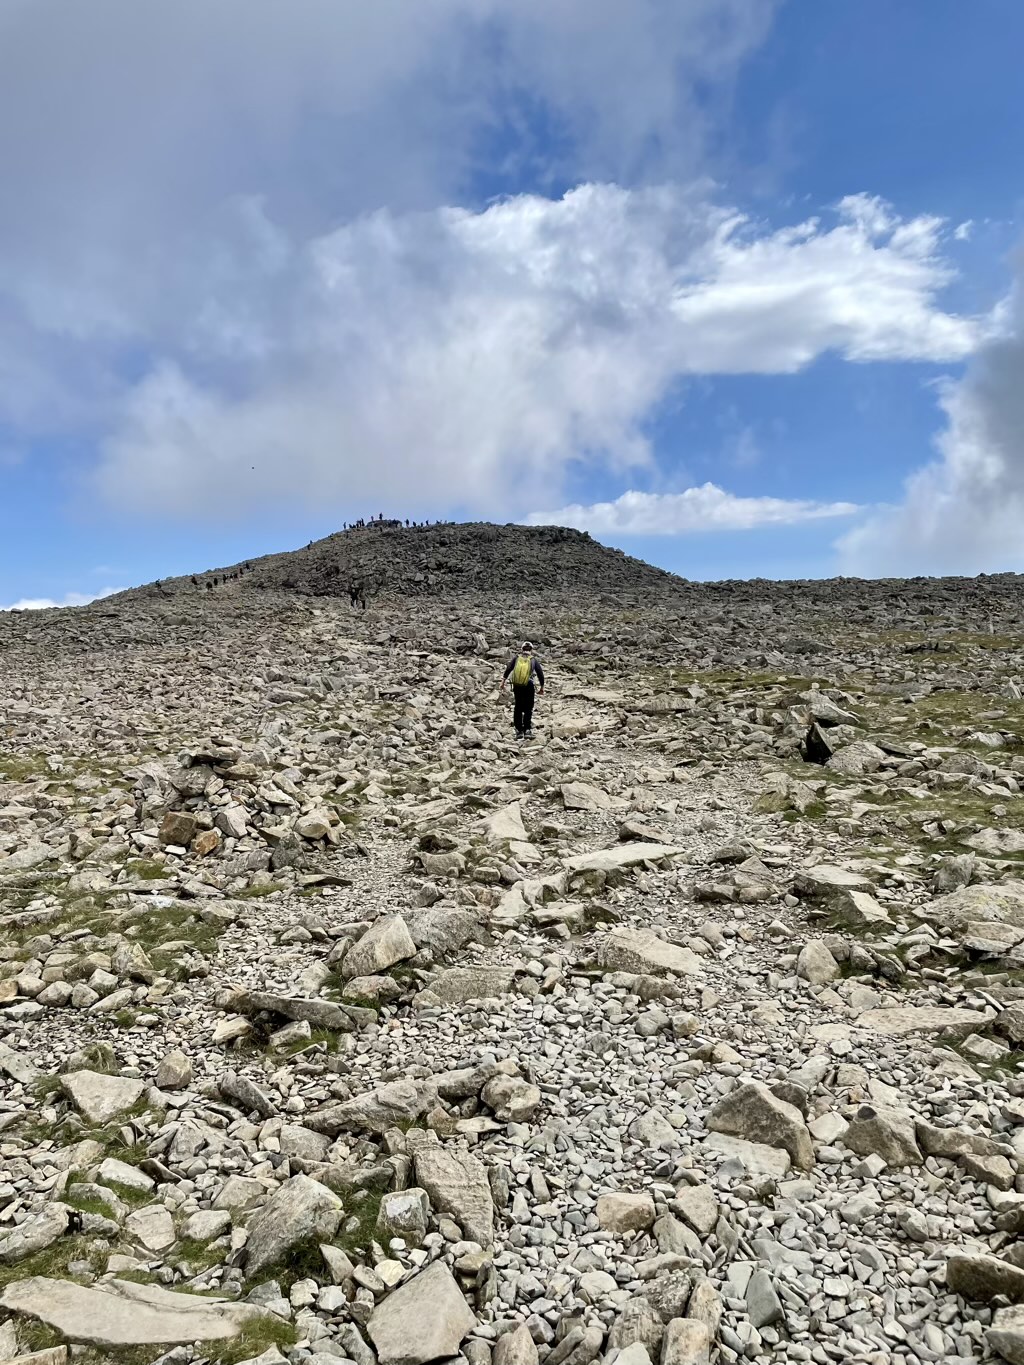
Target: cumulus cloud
474,356
70,599
963,513
703,508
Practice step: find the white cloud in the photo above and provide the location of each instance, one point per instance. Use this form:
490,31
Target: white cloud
70,599
472,357
964,512
705,508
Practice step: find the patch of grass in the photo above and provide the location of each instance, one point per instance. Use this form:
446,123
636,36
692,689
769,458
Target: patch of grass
54,1261
14,769
125,1019
254,893
252,1340
199,1256
146,869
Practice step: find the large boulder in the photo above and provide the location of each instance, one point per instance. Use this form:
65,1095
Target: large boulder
641,950
121,1313
100,1098
384,944
1000,903
395,1103
301,1211
457,1185
751,1111
424,1319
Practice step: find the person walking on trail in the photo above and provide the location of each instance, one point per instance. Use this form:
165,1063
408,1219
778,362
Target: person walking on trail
523,669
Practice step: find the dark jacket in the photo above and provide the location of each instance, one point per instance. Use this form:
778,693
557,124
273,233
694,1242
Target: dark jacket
535,670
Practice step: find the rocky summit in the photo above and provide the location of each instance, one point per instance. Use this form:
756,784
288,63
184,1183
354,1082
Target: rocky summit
336,1026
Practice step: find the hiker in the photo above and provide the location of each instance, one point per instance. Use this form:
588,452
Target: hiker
522,670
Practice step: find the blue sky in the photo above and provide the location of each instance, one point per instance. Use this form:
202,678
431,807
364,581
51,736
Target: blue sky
730,283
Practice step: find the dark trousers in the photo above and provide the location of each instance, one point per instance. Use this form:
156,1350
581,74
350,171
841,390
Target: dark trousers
523,716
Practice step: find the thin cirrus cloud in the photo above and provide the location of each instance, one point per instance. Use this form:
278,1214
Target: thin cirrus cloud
484,354
703,508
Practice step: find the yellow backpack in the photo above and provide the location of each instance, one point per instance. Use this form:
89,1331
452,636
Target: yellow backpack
523,670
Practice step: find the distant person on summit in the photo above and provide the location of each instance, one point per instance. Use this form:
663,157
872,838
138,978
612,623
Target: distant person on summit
522,670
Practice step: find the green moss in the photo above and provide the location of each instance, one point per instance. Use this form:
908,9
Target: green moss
125,1019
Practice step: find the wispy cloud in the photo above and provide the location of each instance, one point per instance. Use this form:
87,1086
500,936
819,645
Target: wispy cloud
705,508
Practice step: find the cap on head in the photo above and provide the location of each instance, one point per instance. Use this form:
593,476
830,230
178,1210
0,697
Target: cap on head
527,648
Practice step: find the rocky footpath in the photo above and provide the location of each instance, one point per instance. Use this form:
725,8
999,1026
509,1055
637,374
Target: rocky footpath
335,1026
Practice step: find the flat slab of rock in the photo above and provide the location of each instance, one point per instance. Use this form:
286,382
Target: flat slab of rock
126,1314
100,1098
505,825
457,1184
18,1065
425,1319
901,1020
1001,902
825,881
585,796
318,1013
1006,1335
396,1102
624,855
456,985
641,950
981,1278
757,1158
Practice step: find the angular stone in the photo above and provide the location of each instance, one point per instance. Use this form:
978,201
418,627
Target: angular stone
626,855
384,944
388,1106
751,1111
512,1099
456,985
207,1224
654,1131
889,1133
151,1227
100,1098
404,1213
825,882
621,1212
457,1185
861,910
1000,902
641,950
756,1158
515,1348
980,1278
1006,1335
18,1065
423,1320
301,1211
505,825
687,1342
585,796
174,1072
697,1206
318,1013
902,1020
763,1304
177,827
124,1314
35,1234
816,964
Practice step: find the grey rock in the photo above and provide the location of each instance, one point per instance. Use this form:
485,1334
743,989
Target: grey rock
100,1098
457,1185
425,1319
301,1211
121,1313
384,944
752,1112
889,1133
389,1105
